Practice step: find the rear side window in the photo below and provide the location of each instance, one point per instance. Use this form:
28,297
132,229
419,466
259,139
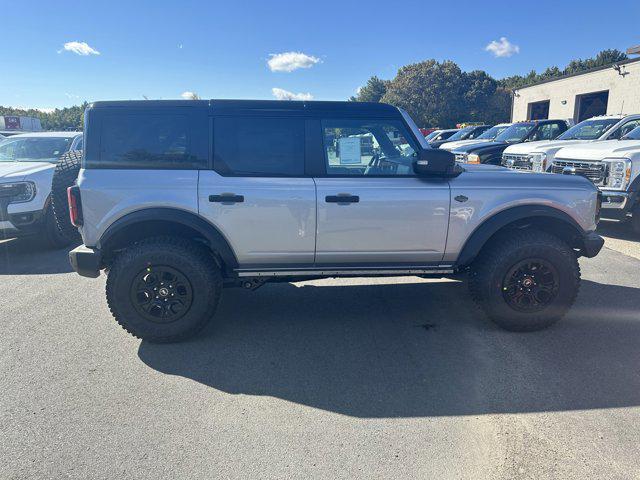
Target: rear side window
258,146
139,141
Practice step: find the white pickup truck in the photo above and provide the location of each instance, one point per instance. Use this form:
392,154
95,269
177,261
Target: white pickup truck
538,156
614,167
27,163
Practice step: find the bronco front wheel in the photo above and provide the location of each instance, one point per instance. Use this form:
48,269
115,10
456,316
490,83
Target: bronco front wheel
163,289
525,281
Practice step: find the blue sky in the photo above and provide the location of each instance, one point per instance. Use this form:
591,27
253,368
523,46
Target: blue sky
162,49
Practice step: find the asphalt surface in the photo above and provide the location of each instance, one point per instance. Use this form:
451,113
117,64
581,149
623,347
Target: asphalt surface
365,378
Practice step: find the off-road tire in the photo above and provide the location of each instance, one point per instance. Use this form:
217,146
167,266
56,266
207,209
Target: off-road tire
489,270
64,176
193,261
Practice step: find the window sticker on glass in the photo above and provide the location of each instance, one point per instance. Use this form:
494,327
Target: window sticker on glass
349,151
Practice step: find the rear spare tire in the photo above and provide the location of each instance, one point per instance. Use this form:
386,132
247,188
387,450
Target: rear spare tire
64,176
525,280
163,289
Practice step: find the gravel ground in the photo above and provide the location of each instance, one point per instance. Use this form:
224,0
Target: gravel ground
358,378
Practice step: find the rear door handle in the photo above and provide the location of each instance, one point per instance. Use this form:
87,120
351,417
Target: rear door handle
226,198
342,198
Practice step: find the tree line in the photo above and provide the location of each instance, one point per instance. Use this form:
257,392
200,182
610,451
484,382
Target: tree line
441,94
68,118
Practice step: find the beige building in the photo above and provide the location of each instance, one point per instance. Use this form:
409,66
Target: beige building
607,90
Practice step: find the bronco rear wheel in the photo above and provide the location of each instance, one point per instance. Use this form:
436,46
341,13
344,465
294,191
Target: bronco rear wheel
163,289
526,280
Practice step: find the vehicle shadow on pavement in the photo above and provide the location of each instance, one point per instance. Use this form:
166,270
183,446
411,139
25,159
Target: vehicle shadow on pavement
621,231
408,350
23,256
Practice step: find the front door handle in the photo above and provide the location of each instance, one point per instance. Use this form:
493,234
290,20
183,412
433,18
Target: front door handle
226,198
342,198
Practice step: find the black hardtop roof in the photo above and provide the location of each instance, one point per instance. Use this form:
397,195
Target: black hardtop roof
256,105
281,105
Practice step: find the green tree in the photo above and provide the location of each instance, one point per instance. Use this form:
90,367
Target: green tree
373,91
432,92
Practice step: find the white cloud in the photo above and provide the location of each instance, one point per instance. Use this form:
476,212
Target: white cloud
502,48
80,48
189,95
281,94
290,61
72,96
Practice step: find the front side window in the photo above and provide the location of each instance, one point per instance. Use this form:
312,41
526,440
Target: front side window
259,146
516,133
624,129
633,134
33,149
589,129
367,147
159,141
548,131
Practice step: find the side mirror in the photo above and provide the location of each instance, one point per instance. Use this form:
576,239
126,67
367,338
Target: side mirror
435,162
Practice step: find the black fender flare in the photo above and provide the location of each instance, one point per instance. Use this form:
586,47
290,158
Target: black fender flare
501,219
213,236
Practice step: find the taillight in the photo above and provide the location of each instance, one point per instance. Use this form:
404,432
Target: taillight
75,207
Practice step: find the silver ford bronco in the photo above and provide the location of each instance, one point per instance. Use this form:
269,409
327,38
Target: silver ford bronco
177,200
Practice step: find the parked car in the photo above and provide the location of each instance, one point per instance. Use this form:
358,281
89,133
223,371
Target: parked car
174,222
486,136
614,167
427,131
439,135
27,162
467,133
538,156
530,131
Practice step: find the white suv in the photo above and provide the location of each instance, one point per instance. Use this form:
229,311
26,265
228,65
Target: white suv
27,163
538,156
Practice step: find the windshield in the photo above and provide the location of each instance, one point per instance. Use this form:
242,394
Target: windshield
516,133
460,134
493,132
589,129
33,149
632,135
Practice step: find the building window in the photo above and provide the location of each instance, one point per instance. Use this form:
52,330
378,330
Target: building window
591,105
538,110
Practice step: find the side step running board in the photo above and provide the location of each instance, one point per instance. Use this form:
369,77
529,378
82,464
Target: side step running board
283,272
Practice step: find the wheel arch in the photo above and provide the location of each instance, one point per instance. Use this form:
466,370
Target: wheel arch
149,222
540,217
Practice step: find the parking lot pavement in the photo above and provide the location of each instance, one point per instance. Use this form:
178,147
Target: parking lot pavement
357,378
619,237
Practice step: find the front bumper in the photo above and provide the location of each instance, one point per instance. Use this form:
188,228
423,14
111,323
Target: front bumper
592,244
19,224
618,205
86,261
